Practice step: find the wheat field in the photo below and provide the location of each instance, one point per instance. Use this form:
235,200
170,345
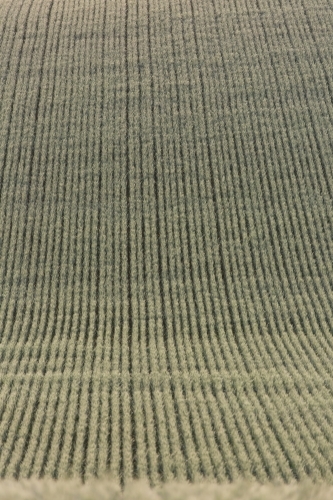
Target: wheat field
166,250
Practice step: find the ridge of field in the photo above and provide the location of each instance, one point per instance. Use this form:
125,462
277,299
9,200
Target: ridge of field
99,489
166,251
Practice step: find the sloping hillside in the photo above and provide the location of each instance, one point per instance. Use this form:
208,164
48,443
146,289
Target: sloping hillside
166,250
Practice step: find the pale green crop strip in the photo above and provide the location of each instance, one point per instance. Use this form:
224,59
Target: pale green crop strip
140,490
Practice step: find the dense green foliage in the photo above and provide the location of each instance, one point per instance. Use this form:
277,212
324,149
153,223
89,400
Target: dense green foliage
166,251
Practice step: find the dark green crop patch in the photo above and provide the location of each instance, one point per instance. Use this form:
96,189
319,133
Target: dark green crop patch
166,250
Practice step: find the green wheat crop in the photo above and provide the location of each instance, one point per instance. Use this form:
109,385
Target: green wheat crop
166,250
